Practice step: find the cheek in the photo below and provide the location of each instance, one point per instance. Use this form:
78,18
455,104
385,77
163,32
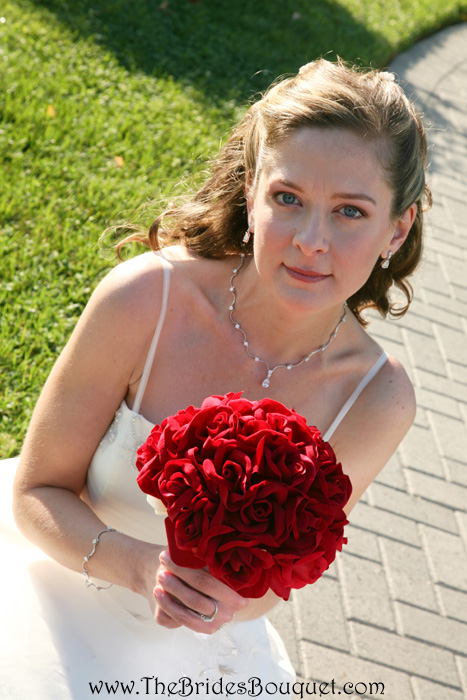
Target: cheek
269,231
357,256
264,218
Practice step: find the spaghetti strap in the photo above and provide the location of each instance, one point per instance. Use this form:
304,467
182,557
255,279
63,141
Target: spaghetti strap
155,340
372,372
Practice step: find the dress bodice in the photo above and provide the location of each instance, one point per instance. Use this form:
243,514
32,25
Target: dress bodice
111,488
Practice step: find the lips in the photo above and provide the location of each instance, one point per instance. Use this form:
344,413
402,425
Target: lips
309,276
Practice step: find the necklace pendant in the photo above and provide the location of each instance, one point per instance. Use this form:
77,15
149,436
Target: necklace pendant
265,384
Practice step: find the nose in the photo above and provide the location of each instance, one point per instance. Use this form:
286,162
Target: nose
311,236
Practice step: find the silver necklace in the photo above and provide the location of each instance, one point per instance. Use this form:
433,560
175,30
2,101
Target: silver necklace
289,366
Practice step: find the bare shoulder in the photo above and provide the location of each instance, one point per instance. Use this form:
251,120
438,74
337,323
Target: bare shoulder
376,425
191,270
133,285
133,289
394,392
127,303
113,329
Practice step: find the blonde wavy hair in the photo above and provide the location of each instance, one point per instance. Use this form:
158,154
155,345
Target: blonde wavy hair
323,95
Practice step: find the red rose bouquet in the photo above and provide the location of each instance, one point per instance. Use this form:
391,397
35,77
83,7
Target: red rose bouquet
251,491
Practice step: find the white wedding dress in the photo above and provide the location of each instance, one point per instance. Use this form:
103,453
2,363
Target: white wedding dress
60,640
57,636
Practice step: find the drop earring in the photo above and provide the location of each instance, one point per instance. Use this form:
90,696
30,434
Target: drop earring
246,237
385,263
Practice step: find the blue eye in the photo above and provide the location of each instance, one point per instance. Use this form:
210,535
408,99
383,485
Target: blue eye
286,198
351,212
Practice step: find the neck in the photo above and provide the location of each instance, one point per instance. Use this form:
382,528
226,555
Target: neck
273,335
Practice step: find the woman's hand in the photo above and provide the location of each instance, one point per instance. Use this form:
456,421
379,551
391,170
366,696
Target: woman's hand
183,595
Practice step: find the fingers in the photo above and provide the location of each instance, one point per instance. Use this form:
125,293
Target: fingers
202,582
190,598
175,599
163,619
193,598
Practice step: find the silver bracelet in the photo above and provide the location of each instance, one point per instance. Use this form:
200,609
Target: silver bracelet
95,542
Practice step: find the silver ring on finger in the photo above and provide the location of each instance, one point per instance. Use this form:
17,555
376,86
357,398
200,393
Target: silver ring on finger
206,618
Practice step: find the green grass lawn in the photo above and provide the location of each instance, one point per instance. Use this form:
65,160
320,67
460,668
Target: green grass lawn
105,106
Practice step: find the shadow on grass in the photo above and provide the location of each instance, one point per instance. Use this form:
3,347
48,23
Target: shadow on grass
225,48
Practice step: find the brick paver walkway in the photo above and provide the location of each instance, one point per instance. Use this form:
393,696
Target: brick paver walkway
393,608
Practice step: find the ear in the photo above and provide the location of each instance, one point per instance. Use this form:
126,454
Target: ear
402,229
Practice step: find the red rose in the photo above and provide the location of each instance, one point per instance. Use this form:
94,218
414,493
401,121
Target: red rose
252,493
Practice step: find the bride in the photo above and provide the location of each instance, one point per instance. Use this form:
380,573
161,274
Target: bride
312,211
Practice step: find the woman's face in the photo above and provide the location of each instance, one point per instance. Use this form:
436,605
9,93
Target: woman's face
321,217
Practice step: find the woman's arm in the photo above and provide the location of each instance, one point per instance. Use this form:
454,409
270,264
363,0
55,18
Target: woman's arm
87,384
371,432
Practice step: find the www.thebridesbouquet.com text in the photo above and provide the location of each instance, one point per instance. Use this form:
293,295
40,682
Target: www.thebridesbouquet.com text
254,687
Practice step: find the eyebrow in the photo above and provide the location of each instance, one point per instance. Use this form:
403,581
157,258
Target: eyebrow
354,195
337,195
292,185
